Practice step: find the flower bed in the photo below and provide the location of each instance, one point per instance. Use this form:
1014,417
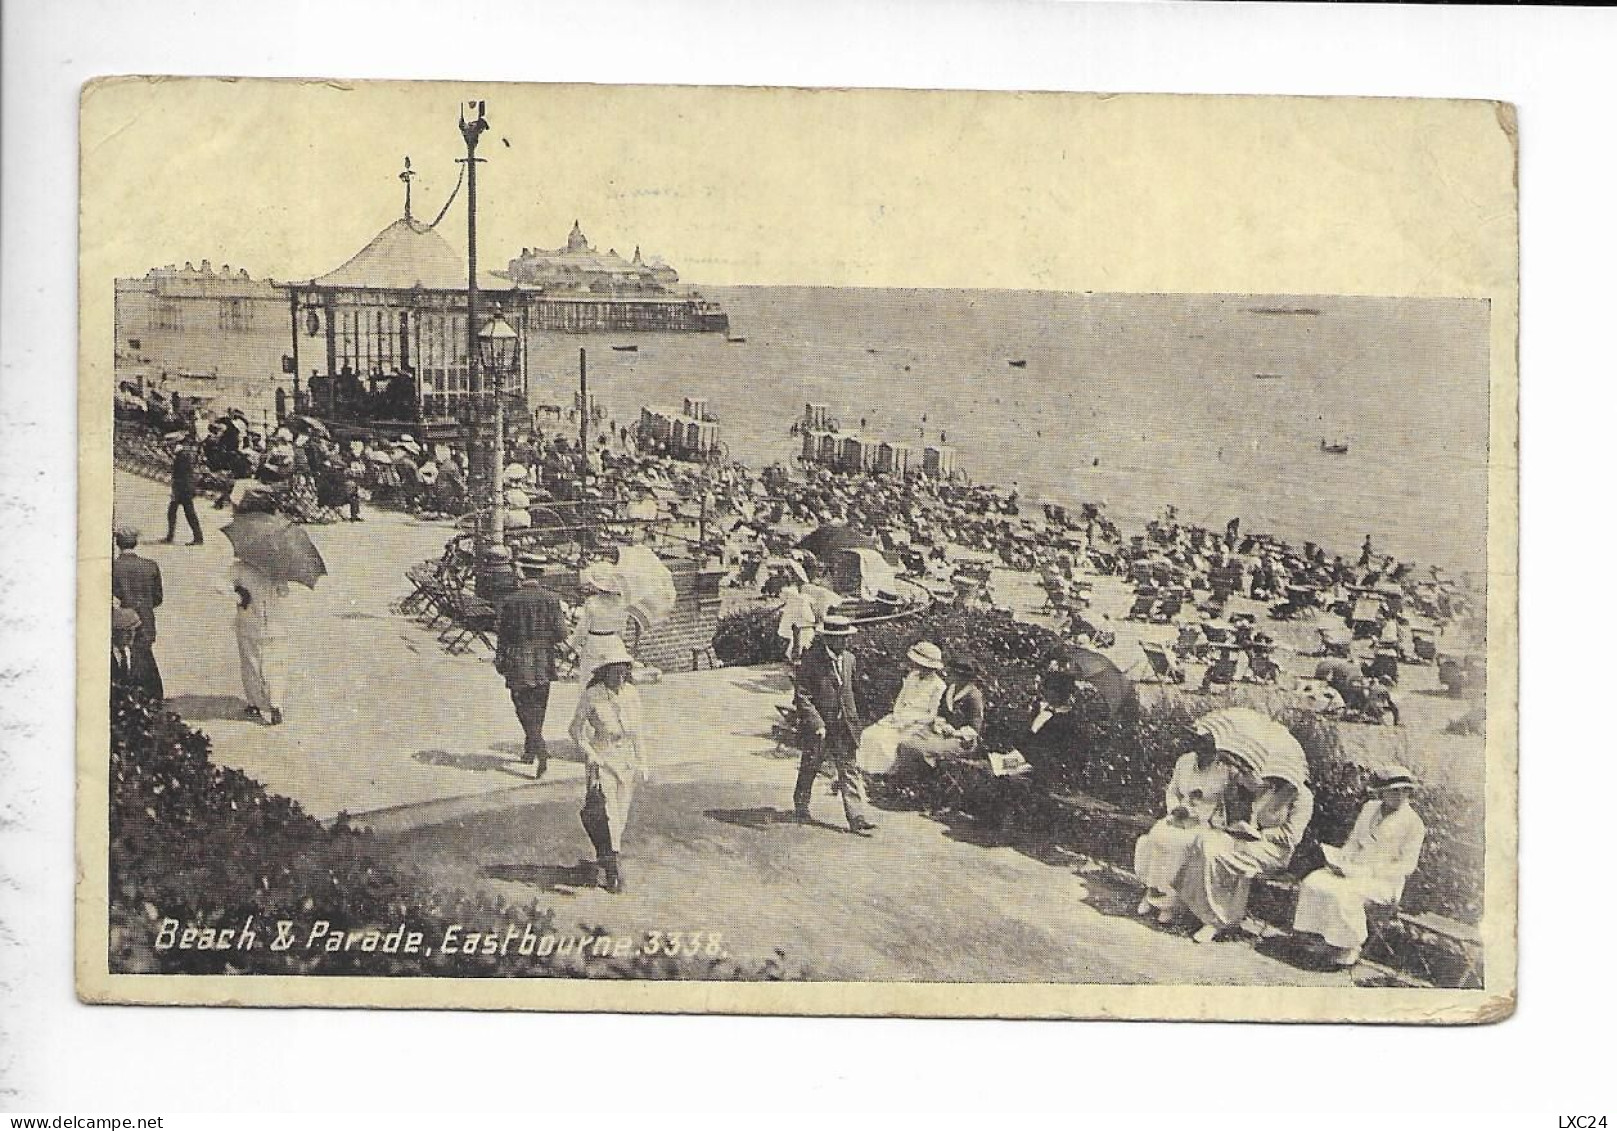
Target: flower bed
207,846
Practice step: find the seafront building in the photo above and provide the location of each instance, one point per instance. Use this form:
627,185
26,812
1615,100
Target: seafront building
383,336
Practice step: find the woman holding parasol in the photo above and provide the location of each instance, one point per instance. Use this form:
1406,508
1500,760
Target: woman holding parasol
1266,810
271,552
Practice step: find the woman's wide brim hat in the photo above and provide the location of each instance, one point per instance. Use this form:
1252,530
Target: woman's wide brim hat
613,651
926,654
837,626
601,577
1393,777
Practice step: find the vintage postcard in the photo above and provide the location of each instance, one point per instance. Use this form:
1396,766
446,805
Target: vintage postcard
745,550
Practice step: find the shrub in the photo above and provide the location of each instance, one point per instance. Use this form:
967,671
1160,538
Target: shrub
747,638
1126,760
208,846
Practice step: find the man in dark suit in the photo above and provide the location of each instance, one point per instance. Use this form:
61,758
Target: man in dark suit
531,625
825,699
183,490
137,584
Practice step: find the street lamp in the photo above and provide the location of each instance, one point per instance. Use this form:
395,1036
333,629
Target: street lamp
497,346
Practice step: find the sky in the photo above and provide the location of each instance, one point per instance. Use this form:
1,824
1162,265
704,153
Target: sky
833,187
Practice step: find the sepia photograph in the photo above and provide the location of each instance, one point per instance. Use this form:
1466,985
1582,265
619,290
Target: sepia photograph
806,551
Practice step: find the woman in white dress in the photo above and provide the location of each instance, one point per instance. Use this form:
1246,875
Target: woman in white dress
607,728
1267,809
1371,867
1195,802
912,713
600,619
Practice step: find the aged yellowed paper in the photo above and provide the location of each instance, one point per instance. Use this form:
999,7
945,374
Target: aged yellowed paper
797,551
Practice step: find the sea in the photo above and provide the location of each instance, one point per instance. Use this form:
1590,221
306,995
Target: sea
1219,405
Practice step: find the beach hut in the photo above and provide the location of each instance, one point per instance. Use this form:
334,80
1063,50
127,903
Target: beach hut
938,461
855,454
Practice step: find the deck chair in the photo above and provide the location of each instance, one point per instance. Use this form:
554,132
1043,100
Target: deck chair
1335,644
1166,610
1165,667
475,620
1384,667
1262,666
1190,641
1221,672
421,577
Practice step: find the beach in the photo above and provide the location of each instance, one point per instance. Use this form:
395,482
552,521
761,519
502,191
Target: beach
1135,400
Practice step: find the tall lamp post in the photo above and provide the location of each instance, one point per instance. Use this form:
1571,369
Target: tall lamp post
497,346
483,477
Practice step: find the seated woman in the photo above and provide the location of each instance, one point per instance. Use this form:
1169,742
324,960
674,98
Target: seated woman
1266,811
1380,854
912,713
957,725
1195,802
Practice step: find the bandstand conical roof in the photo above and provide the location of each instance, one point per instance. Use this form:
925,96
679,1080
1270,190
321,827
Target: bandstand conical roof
407,254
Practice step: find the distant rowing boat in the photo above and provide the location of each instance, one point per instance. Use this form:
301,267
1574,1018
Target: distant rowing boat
1268,376
627,349
735,338
1339,448
1306,310
1017,364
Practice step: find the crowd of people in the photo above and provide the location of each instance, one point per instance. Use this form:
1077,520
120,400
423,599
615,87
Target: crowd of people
1232,814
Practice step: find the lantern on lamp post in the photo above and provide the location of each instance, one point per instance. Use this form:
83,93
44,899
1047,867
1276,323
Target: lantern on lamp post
497,348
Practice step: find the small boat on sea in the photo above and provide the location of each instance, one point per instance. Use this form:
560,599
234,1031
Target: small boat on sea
735,339
1268,376
1339,448
627,349
1018,363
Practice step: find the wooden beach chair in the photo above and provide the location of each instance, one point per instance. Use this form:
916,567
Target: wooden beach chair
1262,666
1221,672
1165,667
1166,610
1384,667
1425,646
1144,602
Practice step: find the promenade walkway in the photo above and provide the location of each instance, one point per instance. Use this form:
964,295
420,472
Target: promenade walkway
423,747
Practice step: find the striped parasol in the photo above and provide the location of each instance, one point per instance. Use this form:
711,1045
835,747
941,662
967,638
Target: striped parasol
1255,737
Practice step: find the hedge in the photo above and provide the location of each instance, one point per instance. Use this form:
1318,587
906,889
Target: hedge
207,846
1126,761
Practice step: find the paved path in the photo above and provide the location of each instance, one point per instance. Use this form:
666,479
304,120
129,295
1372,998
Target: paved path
382,723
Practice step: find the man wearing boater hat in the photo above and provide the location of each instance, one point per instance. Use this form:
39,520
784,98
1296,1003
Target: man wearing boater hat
825,697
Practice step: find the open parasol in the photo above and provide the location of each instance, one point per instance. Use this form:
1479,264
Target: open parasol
646,583
834,537
1272,749
277,546
1108,680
